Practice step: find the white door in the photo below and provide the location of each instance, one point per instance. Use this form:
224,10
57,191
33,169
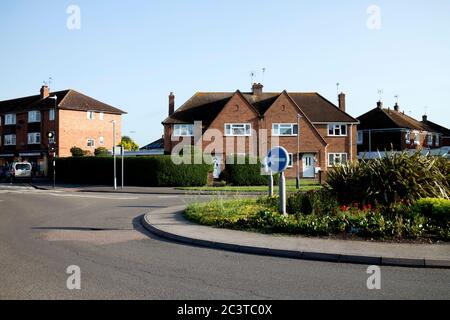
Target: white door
308,166
217,163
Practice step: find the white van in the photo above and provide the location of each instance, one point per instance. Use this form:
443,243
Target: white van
21,171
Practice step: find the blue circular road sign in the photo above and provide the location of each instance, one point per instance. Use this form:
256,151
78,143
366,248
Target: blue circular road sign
277,160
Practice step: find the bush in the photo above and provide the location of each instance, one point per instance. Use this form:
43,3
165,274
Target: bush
157,171
436,209
101,152
240,172
318,202
78,152
391,179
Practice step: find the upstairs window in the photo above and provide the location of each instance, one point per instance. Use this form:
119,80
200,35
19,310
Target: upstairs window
238,130
51,115
34,116
338,130
34,138
10,119
284,129
90,143
360,137
183,130
91,115
10,140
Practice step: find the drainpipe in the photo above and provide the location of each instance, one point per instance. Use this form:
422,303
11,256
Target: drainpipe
351,143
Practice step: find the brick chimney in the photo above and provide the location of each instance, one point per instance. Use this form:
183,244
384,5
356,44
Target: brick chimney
44,92
380,105
397,107
257,89
342,101
424,118
171,104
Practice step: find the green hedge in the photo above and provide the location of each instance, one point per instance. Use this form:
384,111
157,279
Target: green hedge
240,172
156,171
436,209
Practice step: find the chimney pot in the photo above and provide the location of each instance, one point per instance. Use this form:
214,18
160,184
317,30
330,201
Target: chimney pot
171,104
342,101
425,118
380,105
257,89
44,92
397,107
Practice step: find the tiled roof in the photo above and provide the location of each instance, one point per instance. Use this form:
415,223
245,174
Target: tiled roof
158,144
205,106
67,99
438,128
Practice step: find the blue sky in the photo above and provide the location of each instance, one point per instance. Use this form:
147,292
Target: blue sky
131,54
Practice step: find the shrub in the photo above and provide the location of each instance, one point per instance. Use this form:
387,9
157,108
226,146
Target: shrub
318,202
436,209
78,152
240,172
101,152
390,179
157,171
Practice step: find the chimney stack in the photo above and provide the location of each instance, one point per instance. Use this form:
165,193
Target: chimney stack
342,101
397,107
171,104
424,118
257,89
380,105
44,92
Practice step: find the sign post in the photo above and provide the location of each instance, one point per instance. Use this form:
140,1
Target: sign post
277,162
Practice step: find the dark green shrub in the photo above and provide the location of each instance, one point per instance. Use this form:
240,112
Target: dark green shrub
239,171
436,209
157,171
101,152
318,202
78,152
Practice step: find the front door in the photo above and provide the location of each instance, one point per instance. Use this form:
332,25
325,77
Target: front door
217,162
308,166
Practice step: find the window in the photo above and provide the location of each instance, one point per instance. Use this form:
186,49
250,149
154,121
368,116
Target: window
183,130
10,119
91,115
335,159
34,116
284,129
291,160
101,116
338,130
408,137
90,142
430,140
34,138
238,130
51,115
360,137
416,138
101,141
436,141
10,140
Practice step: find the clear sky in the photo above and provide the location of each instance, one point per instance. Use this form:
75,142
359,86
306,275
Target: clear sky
131,54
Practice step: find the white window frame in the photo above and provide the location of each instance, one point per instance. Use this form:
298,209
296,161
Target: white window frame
408,137
230,127
183,130
91,115
34,138
101,115
335,127
90,140
10,119
12,138
360,137
416,138
101,141
437,141
276,129
430,140
51,115
34,116
337,156
291,160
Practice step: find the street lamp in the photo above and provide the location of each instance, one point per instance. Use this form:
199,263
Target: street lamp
114,153
298,152
54,137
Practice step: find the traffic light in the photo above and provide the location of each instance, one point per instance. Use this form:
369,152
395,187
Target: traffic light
50,134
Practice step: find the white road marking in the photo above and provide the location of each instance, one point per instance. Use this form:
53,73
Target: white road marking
92,196
59,193
167,197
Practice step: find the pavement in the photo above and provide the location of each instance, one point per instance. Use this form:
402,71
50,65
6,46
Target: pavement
169,223
42,232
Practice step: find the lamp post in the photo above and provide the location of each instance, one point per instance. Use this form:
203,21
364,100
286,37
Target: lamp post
298,152
54,138
114,153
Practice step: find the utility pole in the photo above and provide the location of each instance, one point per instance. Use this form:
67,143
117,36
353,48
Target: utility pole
114,153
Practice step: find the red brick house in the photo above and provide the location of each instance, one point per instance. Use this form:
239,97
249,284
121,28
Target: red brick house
80,121
382,129
327,132
444,132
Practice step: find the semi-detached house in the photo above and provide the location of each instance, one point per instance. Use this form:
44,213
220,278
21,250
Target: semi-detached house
327,133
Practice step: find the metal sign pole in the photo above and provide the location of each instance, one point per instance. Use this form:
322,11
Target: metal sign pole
282,191
123,152
271,185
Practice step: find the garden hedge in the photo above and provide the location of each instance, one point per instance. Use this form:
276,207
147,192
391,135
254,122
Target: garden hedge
243,171
155,171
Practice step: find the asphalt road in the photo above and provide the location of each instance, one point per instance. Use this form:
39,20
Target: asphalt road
44,232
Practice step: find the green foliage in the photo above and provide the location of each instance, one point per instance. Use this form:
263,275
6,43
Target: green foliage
318,202
243,171
128,144
78,152
101,152
391,179
157,171
436,209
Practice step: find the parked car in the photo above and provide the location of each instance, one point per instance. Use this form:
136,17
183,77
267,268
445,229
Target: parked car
21,171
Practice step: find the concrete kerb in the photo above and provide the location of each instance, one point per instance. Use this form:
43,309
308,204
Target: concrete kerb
302,255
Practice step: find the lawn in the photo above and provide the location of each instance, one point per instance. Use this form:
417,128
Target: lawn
305,185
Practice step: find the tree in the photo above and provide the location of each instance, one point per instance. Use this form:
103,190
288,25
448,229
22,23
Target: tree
77,152
128,144
101,152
